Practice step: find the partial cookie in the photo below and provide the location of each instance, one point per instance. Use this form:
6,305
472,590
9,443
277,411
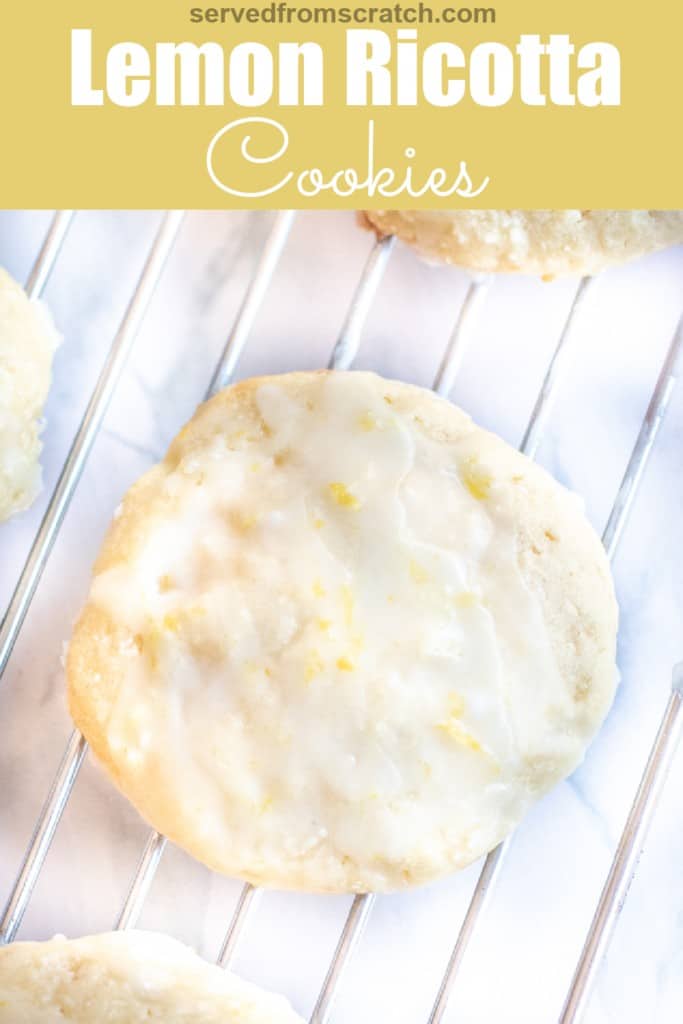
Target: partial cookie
126,978
27,341
341,638
545,242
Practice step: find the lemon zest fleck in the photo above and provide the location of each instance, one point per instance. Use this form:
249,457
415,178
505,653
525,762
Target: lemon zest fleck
314,666
456,731
456,704
477,482
242,522
418,572
347,603
343,496
367,422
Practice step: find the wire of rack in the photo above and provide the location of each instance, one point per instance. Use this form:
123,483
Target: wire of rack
343,356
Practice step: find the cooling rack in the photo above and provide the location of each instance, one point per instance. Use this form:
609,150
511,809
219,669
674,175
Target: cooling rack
343,356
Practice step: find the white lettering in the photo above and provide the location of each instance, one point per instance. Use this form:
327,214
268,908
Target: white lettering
82,92
191,66
367,54
128,71
441,90
601,84
373,180
492,74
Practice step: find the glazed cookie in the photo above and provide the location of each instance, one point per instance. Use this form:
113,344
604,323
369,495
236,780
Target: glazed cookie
126,978
27,341
341,638
546,242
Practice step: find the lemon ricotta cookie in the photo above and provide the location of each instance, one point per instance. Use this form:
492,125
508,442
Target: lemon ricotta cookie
341,638
27,342
126,978
545,242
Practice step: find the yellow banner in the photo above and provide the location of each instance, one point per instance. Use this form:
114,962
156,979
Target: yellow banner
524,104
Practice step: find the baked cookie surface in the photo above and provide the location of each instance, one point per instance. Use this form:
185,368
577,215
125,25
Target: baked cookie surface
545,242
126,978
341,638
27,342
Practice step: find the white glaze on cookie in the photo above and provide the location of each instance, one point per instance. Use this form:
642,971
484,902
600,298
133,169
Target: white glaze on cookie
332,659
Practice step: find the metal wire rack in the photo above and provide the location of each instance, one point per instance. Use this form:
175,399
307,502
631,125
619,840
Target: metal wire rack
343,356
